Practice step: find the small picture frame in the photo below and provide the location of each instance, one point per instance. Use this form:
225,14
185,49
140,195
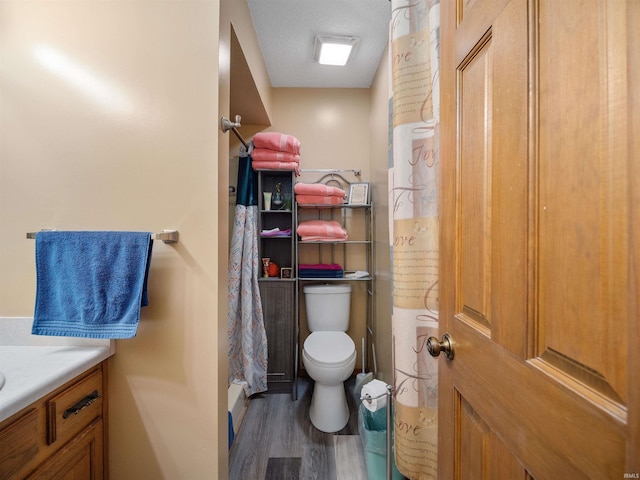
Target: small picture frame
286,272
359,194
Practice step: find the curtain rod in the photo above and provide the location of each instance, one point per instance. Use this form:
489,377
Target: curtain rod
356,172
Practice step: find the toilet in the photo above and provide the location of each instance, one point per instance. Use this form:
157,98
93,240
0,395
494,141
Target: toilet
328,354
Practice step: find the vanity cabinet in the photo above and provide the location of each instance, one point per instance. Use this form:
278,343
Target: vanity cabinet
278,292
61,435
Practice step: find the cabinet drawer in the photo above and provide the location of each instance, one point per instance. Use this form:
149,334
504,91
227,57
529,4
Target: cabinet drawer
74,408
19,443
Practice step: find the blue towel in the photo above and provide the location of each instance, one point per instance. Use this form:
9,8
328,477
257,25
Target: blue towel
319,273
91,284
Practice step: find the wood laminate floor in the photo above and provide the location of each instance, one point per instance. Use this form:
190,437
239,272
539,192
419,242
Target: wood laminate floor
277,441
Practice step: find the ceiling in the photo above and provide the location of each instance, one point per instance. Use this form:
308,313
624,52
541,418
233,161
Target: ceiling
286,31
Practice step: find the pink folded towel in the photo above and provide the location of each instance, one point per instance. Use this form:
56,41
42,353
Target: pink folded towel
266,155
321,238
318,200
277,141
327,230
318,189
276,166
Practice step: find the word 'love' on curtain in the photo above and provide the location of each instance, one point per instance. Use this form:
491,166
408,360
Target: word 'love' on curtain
413,218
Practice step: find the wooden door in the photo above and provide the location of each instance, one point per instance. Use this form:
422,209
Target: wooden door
540,239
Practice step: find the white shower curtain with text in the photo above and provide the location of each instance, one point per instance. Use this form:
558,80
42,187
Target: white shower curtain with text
413,218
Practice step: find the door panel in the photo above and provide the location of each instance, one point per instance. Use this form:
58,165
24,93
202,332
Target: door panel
475,187
537,248
485,456
581,207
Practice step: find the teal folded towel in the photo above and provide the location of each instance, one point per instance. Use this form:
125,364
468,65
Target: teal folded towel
91,284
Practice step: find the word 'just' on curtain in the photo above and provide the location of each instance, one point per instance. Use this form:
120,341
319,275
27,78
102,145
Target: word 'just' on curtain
413,218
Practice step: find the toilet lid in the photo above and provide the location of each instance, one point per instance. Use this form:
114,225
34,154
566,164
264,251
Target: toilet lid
329,347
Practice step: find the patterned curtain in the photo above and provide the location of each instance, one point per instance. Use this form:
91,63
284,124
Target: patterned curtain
247,335
413,217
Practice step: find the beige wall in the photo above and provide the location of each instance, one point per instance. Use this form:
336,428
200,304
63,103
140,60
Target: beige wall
331,124
333,128
347,128
379,161
147,159
234,15
108,121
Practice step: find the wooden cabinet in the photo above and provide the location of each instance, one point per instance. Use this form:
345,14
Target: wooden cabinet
276,224
277,246
60,435
80,459
278,304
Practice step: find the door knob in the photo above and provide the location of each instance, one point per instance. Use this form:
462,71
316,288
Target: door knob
445,346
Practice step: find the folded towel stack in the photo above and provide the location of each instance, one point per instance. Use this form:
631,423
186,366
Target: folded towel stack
322,231
318,194
320,270
275,151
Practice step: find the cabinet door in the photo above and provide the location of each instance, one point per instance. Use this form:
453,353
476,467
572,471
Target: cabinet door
81,459
278,305
20,443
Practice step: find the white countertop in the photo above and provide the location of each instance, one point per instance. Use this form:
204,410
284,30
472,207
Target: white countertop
32,372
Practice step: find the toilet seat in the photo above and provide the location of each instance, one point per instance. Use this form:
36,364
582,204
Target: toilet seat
329,348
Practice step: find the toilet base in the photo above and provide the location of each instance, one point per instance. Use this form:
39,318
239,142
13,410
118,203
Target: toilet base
329,411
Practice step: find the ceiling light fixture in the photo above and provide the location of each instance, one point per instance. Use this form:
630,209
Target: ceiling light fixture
334,49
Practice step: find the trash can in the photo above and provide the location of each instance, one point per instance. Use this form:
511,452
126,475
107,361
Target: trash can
372,427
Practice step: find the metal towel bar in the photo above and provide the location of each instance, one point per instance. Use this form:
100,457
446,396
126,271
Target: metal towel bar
167,236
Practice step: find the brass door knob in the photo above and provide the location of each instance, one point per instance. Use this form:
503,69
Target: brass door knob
445,346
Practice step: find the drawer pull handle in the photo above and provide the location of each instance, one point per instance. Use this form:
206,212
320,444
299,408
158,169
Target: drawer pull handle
85,402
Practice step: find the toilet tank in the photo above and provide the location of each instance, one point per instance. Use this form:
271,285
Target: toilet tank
327,307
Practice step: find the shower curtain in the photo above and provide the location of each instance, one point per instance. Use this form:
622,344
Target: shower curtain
247,335
413,227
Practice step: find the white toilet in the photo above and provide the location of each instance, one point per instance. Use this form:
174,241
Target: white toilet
329,354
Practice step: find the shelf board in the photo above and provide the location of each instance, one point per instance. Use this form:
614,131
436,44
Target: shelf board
330,280
275,279
322,205
337,242
341,279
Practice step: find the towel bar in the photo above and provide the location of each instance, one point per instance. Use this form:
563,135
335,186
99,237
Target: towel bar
167,236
